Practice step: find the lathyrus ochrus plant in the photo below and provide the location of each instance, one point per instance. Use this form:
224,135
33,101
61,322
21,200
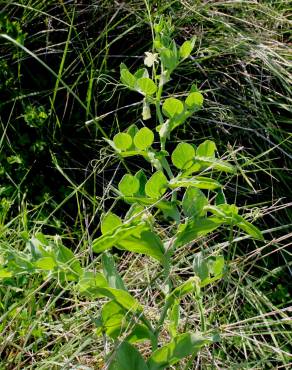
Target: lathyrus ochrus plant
182,190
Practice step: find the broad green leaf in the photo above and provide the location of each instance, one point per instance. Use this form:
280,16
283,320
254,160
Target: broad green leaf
110,222
127,78
127,357
110,272
129,185
144,138
89,281
183,155
46,263
146,243
180,347
206,149
122,141
198,182
186,48
193,202
140,333
109,240
215,265
113,319
195,229
156,186
146,86
169,209
194,99
172,107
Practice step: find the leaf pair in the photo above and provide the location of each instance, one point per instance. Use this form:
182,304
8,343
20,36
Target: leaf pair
127,356
140,140
139,81
134,237
185,157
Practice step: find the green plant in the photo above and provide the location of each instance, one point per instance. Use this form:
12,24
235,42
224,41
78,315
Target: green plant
184,192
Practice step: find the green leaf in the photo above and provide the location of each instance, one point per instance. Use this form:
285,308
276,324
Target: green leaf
169,210
127,357
156,186
208,269
249,228
110,272
168,59
193,202
46,263
89,281
67,257
113,319
129,185
146,243
216,164
180,347
140,333
194,100
195,229
140,175
122,297
146,86
182,290
183,155
200,266
186,49
144,138
122,141
206,149
127,78
172,107
173,317
198,182
109,240
110,222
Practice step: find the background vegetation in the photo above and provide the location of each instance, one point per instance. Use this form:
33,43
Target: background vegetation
60,95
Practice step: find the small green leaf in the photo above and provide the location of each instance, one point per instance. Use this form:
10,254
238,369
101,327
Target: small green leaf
168,59
195,229
180,347
46,263
249,228
110,272
173,317
88,283
195,99
127,78
183,155
140,333
200,266
146,86
122,141
193,203
127,357
172,107
186,49
113,318
110,222
129,185
144,138
156,186
206,149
